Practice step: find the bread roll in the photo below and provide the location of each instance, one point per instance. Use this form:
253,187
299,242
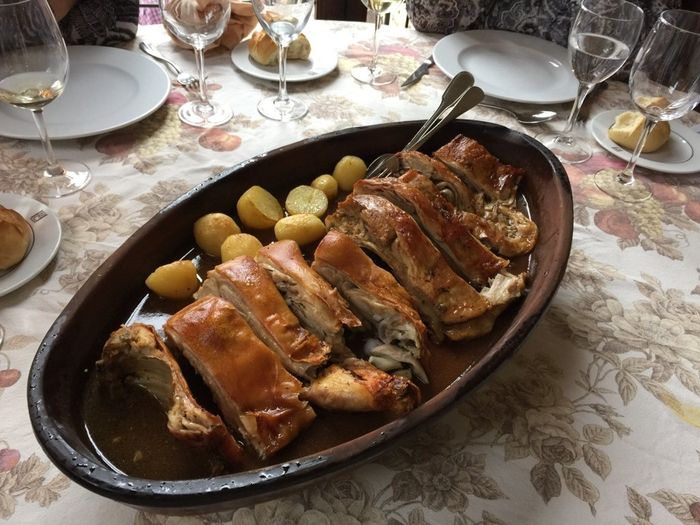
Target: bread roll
15,237
628,128
263,49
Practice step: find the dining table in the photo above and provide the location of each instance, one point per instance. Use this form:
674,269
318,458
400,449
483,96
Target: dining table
594,419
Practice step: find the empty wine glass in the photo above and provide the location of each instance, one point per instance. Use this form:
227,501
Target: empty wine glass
33,72
283,20
600,40
372,73
664,85
199,23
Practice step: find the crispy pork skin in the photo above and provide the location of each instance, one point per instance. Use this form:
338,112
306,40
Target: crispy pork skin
375,295
465,253
249,287
315,302
477,167
357,386
441,296
254,392
135,354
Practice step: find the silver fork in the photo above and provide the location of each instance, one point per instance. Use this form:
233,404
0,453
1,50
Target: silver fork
459,96
186,80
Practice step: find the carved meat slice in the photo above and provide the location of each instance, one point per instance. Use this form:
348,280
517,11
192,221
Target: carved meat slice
375,295
357,386
441,296
476,166
135,354
471,259
315,302
249,287
254,392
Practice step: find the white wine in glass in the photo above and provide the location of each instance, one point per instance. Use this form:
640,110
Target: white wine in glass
33,73
199,23
372,73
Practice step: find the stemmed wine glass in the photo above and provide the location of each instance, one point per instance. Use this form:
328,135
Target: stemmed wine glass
664,85
283,20
199,24
600,40
372,73
33,72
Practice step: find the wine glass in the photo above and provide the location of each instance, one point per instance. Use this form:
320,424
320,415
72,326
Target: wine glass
199,23
372,73
600,40
283,21
33,72
664,85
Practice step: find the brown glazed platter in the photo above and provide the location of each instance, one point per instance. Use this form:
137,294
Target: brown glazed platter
115,292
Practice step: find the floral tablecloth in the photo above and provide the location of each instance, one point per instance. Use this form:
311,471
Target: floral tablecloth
595,420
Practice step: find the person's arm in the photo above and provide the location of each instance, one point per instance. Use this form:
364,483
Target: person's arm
99,22
60,8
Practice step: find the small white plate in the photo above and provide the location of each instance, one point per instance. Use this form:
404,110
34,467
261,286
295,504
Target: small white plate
108,88
322,60
47,237
681,154
509,66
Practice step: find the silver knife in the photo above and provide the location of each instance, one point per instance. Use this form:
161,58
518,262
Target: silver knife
418,73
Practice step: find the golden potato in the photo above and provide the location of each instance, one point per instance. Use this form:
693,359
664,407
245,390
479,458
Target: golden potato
177,280
327,184
212,229
349,170
303,228
239,244
305,199
258,208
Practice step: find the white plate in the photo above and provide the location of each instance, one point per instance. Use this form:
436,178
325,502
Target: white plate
108,88
681,154
47,237
322,60
509,66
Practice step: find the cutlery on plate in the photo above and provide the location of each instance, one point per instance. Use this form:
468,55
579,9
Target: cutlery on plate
524,116
418,73
186,80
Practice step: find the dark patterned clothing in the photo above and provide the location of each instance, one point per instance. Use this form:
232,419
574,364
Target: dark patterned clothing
101,22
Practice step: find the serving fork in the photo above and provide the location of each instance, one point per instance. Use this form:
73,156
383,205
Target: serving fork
186,80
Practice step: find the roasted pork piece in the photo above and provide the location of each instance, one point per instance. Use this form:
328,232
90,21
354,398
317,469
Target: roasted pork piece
376,296
254,392
357,386
249,287
467,256
477,167
315,302
136,355
443,298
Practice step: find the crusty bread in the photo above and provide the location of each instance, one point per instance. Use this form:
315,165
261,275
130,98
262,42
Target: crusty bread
628,128
15,238
263,49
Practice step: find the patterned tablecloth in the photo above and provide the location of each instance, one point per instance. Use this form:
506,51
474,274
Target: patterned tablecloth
596,419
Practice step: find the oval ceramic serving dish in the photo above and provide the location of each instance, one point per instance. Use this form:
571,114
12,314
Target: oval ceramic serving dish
111,295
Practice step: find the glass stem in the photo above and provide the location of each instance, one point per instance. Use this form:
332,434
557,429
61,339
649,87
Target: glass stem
282,96
626,176
375,42
581,94
53,168
199,60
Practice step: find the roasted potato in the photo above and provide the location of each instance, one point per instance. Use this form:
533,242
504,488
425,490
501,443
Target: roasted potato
349,170
177,280
327,184
239,244
211,230
305,199
258,208
303,228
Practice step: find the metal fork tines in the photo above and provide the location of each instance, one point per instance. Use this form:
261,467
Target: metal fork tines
186,80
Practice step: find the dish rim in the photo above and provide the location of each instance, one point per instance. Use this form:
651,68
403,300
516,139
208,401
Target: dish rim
169,496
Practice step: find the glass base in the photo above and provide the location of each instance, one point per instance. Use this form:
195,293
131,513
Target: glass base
75,177
568,149
613,183
275,109
376,77
199,115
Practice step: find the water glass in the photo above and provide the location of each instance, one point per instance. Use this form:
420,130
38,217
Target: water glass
372,73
